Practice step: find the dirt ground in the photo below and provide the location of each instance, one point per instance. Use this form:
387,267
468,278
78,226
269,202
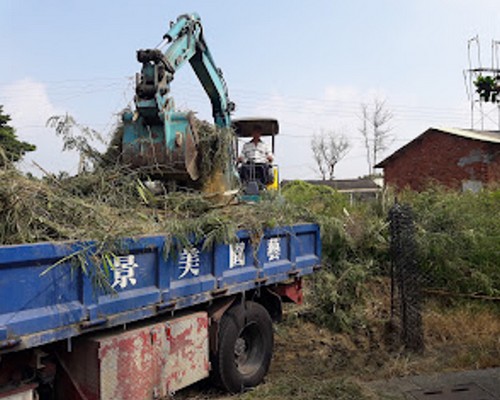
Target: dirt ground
312,362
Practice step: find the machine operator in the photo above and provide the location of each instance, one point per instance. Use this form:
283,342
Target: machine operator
256,158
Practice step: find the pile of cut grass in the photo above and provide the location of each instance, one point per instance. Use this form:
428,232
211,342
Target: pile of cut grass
100,208
37,210
109,204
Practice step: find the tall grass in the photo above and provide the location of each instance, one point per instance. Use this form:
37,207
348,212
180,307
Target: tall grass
354,241
458,240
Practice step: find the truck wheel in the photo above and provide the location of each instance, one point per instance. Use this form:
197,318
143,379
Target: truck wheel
245,347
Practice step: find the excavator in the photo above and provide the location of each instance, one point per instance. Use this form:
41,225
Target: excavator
163,141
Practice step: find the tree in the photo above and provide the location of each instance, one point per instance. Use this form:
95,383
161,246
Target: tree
11,148
376,131
328,149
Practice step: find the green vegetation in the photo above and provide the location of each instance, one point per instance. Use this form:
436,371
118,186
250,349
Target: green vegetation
11,148
355,247
341,338
109,204
115,203
458,236
487,87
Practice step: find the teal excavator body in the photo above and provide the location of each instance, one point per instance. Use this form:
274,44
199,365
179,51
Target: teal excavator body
158,139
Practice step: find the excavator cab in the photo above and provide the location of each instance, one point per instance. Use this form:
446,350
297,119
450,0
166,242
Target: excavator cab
257,177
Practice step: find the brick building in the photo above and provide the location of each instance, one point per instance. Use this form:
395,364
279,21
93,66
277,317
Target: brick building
457,158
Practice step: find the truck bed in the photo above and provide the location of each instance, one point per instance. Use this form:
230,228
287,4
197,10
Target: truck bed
37,309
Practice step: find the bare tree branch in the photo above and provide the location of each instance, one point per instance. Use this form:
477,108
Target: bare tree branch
317,145
366,135
382,138
328,150
76,137
376,130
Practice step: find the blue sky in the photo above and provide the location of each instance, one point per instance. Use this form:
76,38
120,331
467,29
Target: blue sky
308,63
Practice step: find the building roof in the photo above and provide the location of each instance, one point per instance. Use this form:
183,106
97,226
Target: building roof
483,136
346,185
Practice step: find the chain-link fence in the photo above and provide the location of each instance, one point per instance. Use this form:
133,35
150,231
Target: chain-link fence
406,295
440,288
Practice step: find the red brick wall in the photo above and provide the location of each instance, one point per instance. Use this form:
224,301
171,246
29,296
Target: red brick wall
443,158
494,170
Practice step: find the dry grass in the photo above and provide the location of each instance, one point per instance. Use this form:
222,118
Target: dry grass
466,324
466,336
460,337
110,204
457,337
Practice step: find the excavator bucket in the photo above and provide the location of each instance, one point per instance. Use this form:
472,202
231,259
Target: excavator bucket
169,153
166,151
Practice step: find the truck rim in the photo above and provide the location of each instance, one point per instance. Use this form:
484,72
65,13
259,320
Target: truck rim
248,352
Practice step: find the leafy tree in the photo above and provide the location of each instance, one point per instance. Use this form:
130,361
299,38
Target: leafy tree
11,148
328,149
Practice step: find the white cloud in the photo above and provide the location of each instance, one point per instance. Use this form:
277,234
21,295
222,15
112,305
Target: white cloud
29,105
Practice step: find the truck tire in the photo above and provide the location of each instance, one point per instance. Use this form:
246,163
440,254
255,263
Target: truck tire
245,347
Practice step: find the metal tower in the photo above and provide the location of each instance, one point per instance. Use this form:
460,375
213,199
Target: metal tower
483,85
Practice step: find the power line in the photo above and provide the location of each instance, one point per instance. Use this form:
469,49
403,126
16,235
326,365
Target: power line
322,108
247,96
59,81
253,93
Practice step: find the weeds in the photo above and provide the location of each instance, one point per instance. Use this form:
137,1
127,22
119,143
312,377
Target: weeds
458,236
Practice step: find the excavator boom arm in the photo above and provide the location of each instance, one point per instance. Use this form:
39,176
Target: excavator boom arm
158,138
185,44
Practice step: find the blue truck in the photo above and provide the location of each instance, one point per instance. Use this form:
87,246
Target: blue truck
167,322
159,322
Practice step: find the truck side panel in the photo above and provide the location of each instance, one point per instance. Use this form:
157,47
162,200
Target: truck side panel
40,304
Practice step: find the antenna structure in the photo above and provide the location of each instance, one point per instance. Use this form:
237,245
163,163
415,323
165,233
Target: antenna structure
483,85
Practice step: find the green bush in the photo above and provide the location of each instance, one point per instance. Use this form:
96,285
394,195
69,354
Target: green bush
354,241
458,238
